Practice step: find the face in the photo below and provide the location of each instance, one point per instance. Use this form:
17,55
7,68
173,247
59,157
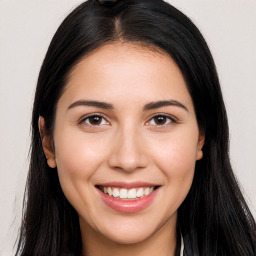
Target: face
126,141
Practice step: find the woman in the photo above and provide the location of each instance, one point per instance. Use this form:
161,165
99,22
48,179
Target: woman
130,141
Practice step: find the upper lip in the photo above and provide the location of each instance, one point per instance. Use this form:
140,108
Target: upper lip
120,184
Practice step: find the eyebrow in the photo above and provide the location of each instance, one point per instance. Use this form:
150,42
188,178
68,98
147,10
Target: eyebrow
91,103
148,106
163,103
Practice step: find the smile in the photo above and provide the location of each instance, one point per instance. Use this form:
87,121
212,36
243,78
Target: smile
128,198
127,194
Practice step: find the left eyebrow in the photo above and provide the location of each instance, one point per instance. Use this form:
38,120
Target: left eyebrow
91,103
163,103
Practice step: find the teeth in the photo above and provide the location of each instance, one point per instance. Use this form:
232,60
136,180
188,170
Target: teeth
109,191
115,192
146,191
140,192
131,193
123,193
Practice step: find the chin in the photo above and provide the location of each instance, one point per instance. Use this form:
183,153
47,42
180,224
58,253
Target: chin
130,236
127,231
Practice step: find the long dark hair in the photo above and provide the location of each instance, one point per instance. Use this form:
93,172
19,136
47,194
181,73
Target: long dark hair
214,218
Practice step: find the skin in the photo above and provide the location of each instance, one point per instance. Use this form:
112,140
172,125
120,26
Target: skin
126,145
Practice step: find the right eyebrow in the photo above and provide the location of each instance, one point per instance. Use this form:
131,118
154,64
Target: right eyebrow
163,103
91,103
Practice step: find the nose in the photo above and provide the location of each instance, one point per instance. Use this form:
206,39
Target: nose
128,151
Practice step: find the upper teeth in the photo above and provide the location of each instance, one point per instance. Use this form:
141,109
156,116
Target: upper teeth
124,193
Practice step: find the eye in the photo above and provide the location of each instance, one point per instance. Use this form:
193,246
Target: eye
94,120
161,120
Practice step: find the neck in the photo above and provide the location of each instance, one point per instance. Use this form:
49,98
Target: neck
162,242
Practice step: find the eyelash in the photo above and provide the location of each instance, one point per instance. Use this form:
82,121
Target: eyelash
83,119
167,118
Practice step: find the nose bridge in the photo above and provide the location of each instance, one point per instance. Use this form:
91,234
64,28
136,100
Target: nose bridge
127,151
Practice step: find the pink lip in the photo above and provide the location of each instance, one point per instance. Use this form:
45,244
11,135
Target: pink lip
128,185
128,206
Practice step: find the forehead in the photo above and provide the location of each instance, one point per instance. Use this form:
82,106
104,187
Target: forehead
119,55
123,71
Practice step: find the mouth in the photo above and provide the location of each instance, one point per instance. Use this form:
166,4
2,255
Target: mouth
128,198
127,194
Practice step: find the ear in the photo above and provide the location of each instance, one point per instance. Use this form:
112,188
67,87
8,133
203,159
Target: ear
47,144
200,144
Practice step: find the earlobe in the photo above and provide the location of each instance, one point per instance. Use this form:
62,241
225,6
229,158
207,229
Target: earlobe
47,144
200,145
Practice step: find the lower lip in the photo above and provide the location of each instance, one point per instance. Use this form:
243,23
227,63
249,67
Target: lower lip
128,206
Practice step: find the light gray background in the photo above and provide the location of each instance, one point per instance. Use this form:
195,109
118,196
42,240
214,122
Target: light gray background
26,28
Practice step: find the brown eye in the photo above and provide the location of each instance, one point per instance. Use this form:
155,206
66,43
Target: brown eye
160,120
95,120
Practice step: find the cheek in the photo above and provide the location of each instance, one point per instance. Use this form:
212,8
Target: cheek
176,160
77,158
175,156
77,154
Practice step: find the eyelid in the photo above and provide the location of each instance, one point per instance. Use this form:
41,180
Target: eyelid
171,117
173,120
83,118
